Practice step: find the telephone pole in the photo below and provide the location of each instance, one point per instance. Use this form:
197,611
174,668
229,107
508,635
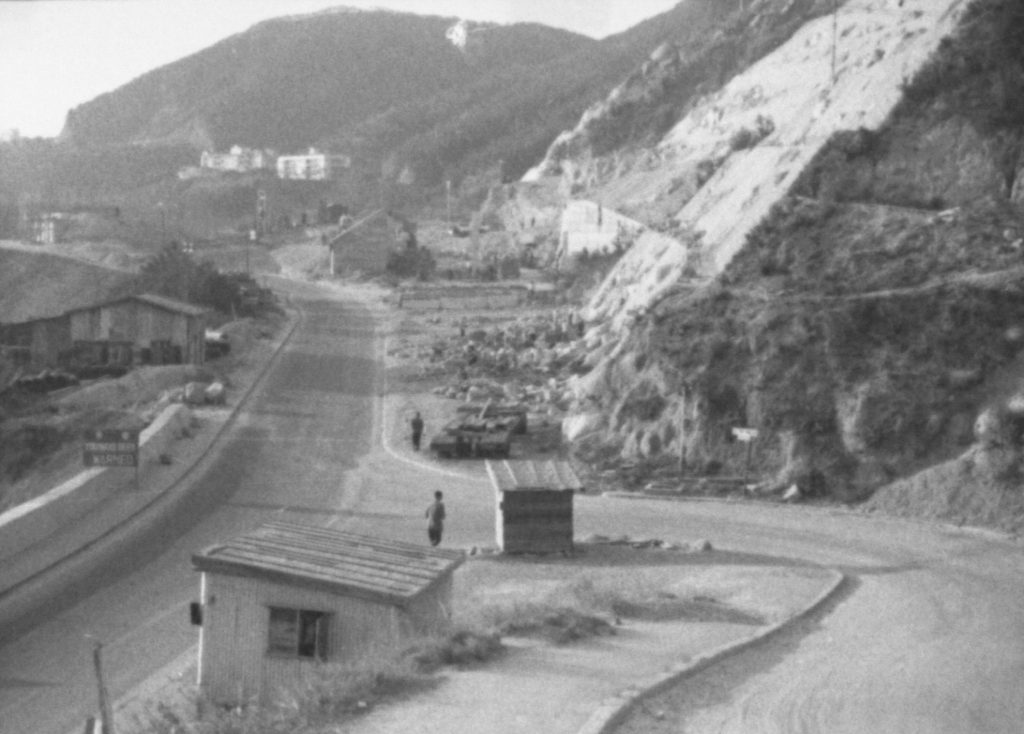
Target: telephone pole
835,37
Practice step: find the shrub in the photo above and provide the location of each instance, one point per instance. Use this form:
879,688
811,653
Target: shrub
411,262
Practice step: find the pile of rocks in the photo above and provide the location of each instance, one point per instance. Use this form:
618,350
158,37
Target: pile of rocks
528,360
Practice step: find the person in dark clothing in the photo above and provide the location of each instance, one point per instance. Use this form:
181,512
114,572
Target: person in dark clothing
435,519
417,431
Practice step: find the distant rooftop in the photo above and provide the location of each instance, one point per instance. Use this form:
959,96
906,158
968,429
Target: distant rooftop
163,302
332,560
509,476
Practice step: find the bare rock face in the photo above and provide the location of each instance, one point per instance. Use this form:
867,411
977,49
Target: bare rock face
576,426
993,428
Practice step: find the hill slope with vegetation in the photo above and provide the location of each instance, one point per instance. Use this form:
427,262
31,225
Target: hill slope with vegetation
388,89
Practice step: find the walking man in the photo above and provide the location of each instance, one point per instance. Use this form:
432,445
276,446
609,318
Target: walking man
435,519
417,430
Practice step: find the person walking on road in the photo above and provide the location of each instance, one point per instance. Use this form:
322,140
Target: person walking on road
435,519
417,431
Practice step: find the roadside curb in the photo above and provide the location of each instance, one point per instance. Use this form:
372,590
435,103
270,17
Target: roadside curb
385,432
20,600
613,710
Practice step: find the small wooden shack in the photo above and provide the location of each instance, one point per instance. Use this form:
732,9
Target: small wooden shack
285,596
533,505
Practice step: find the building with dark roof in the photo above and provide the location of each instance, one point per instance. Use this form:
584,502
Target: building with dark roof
285,596
123,332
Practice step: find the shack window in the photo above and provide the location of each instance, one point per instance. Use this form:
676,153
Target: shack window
298,632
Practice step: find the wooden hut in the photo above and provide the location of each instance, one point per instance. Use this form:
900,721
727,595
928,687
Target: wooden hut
163,330
285,596
533,505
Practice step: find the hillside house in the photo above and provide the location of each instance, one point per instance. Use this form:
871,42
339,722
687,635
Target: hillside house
128,331
275,602
49,228
313,165
237,159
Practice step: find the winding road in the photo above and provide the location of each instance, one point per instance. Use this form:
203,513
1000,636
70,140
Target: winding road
928,635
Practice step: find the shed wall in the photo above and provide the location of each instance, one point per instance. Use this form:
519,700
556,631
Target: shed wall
142,324
234,663
534,521
50,337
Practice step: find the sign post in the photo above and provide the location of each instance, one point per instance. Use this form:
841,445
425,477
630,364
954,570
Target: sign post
112,447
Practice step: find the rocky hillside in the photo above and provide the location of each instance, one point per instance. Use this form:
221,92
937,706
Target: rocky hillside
866,301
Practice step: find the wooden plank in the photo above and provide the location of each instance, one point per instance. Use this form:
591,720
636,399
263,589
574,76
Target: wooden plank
329,559
370,540
331,552
343,567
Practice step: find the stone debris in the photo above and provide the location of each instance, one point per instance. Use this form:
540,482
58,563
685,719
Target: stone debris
697,546
528,361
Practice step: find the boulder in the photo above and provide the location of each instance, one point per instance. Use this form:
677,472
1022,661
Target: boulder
216,393
194,394
575,426
992,428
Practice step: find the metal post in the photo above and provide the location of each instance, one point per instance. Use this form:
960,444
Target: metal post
106,715
835,37
448,201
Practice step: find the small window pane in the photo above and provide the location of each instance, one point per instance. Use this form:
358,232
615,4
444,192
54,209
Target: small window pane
284,630
312,634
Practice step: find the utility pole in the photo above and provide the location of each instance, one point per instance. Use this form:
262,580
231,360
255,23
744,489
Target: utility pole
163,223
448,201
835,37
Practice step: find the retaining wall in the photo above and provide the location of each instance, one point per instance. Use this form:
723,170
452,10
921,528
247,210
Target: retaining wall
37,519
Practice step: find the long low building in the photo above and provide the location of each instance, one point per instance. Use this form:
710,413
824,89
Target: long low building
128,331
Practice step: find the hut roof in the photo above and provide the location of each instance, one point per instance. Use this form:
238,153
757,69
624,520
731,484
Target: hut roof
151,299
510,476
331,560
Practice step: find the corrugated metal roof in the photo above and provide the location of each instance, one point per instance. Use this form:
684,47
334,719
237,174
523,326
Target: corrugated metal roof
341,562
509,476
171,304
167,304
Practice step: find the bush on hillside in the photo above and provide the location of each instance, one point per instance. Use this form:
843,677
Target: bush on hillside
411,262
174,273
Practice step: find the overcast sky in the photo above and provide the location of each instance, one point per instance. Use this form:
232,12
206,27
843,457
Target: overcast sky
56,54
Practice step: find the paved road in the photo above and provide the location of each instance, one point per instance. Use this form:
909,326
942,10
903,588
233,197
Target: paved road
286,458
929,638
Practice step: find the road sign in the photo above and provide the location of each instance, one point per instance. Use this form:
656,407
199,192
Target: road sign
746,435
111,447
